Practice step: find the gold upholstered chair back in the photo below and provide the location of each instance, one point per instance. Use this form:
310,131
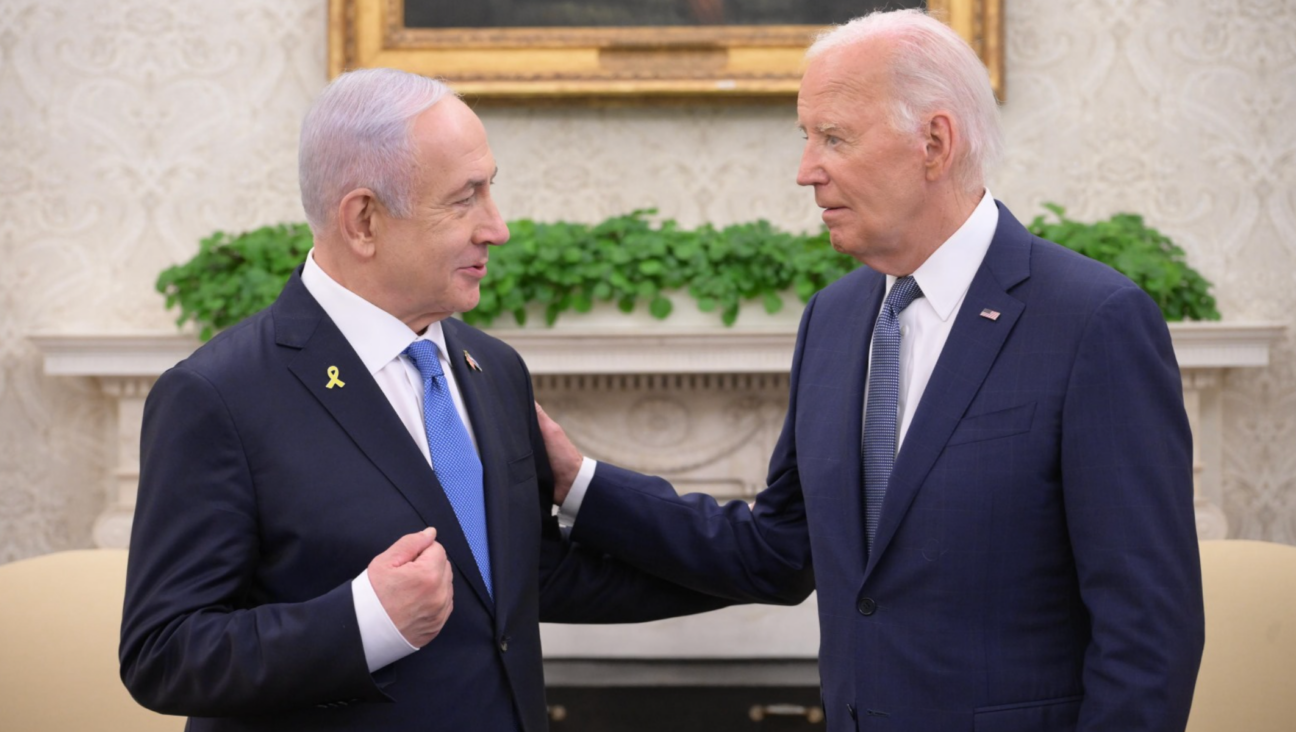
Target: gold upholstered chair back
1248,673
60,617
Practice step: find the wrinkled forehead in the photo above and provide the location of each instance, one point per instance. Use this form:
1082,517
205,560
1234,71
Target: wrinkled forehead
450,136
449,122
851,80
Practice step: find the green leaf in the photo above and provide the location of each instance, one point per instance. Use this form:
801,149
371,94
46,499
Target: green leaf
551,313
660,307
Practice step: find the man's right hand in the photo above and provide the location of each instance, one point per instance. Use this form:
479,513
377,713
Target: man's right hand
415,584
564,458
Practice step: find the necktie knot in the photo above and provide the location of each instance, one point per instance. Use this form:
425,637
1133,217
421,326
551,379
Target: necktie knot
424,355
903,292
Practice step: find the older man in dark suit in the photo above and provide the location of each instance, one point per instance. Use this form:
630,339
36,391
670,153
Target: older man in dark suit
344,516
986,464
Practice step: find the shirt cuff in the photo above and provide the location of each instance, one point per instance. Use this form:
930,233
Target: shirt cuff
383,643
570,507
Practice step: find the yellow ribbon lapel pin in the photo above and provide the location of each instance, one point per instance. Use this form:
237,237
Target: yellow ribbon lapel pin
472,362
333,378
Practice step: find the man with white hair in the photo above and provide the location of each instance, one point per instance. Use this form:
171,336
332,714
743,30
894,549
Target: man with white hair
344,515
986,464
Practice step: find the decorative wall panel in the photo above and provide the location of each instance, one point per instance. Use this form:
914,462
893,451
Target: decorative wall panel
129,130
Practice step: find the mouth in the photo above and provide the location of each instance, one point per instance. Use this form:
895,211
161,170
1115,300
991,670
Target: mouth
477,269
832,212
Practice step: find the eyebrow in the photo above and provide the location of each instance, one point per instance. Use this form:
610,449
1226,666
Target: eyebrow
822,128
472,183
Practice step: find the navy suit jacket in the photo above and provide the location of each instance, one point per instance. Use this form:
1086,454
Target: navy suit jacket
1036,564
263,493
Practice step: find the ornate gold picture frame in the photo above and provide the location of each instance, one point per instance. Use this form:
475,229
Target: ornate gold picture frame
710,62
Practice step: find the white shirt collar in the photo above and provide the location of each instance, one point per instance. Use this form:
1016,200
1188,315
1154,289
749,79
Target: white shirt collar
376,335
947,274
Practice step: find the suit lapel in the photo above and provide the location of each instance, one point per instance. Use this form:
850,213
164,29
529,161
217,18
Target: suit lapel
973,345
364,413
483,409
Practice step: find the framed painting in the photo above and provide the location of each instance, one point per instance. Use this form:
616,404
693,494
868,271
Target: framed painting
535,50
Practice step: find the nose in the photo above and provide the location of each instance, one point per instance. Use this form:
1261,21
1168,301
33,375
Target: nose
493,230
810,172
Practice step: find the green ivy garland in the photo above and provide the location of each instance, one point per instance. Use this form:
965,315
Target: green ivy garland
567,267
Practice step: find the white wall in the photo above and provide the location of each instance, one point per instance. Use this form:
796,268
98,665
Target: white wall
128,130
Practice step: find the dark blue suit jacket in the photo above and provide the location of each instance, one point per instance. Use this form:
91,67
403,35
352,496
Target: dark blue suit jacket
1035,566
263,494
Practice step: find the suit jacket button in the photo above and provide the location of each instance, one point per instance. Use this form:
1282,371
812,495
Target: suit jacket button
504,646
851,708
867,606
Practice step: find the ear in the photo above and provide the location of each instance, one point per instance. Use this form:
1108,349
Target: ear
358,220
939,152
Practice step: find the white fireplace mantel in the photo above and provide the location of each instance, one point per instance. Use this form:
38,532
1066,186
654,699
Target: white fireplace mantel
126,366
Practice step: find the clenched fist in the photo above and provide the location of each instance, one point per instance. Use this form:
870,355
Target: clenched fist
415,584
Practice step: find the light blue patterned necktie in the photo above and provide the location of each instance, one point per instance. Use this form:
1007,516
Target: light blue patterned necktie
883,402
454,458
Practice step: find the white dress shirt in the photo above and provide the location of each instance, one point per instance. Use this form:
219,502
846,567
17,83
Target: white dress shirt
924,326
379,338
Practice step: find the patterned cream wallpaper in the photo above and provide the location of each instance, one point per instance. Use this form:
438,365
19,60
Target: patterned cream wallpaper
128,130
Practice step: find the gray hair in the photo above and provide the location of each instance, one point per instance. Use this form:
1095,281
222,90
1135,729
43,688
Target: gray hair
357,134
933,68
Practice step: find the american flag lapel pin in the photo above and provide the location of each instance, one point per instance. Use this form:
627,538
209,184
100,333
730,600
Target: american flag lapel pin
472,362
989,314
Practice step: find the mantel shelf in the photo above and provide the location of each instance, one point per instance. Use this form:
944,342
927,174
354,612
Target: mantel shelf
622,351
